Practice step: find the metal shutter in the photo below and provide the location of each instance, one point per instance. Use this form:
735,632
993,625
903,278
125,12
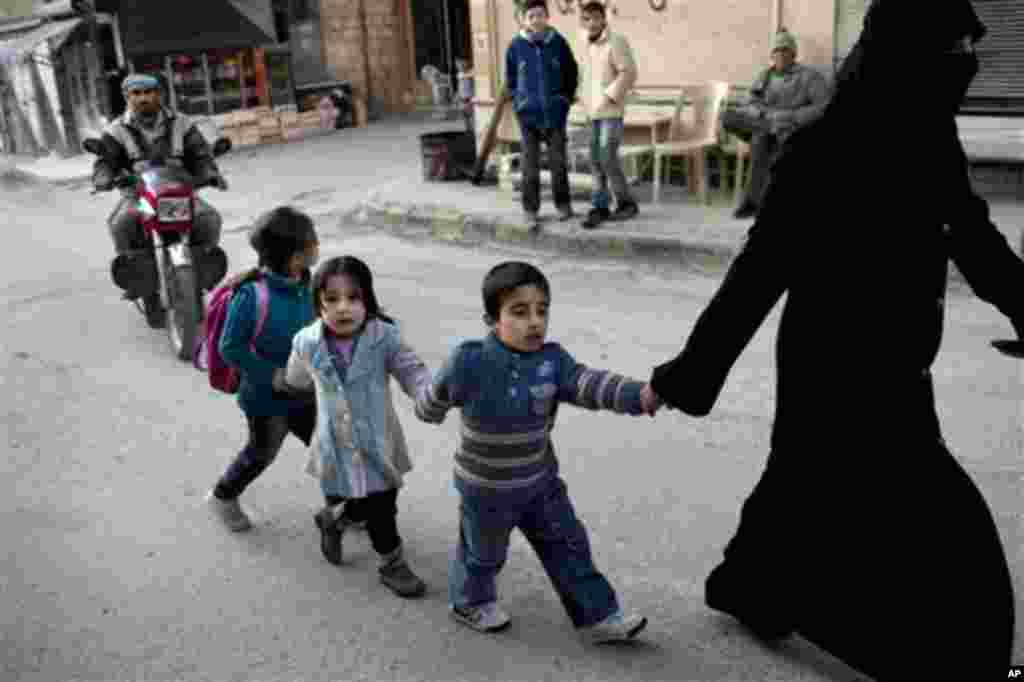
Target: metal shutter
1000,84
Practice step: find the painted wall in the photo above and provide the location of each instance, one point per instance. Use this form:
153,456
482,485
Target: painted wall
16,8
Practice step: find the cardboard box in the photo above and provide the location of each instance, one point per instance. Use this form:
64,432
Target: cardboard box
245,117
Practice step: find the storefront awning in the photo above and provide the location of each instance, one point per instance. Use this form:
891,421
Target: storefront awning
21,39
162,27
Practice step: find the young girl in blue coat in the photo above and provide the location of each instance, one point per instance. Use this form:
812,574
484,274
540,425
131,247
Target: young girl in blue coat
287,244
358,451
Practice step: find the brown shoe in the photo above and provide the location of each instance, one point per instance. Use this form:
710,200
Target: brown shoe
401,580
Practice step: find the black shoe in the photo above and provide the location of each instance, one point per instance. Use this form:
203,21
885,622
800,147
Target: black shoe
565,213
625,211
156,316
746,210
331,532
596,217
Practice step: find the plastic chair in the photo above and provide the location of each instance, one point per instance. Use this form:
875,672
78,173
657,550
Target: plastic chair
734,146
692,141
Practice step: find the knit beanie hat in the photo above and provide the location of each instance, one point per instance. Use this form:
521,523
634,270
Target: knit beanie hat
530,4
783,40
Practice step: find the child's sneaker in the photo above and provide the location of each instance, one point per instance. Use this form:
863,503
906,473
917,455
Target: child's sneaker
487,617
615,628
332,527
230,513
401,580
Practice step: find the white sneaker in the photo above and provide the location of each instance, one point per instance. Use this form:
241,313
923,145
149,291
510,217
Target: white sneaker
487,617
230,512
617,627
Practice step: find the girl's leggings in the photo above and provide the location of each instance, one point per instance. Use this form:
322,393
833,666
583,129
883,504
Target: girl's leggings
266,436
379,511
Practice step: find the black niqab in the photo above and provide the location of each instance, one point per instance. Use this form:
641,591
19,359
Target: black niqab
864,534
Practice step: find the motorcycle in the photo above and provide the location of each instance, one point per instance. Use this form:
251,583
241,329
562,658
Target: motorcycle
166,280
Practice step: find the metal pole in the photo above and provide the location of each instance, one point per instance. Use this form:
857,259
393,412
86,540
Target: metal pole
208,84
448,41
169,75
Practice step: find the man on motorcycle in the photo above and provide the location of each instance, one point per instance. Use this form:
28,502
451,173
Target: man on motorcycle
148,131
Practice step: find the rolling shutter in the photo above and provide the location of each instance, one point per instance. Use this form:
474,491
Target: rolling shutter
1000,83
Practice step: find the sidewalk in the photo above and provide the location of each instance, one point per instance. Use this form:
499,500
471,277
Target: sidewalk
373,176
677,230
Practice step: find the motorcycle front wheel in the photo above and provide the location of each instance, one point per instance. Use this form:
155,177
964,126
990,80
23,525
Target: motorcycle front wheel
183,310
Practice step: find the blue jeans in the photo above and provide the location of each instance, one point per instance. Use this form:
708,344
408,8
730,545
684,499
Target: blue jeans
605,140
545,516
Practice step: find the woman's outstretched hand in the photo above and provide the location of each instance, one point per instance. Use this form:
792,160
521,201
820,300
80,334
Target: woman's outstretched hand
649,400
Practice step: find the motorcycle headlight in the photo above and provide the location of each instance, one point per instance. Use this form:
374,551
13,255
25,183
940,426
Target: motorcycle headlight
174,209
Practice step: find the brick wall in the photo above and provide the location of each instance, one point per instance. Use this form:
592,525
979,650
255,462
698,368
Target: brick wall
365,42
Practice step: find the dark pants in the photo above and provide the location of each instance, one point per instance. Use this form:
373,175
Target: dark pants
266,436
380,512
558,153
764,149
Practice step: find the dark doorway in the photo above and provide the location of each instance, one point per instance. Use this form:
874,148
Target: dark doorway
442,34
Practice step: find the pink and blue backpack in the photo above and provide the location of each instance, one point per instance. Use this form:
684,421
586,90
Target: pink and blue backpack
207,358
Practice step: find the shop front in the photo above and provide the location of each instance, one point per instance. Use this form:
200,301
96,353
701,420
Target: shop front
227,57
220,80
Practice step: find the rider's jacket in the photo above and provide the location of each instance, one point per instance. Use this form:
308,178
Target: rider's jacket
174,140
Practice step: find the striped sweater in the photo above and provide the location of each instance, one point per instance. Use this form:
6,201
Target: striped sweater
508,402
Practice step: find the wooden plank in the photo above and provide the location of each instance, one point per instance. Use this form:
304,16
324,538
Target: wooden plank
490,136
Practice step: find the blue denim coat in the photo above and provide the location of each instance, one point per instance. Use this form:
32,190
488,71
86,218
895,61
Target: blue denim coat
542,77
358,447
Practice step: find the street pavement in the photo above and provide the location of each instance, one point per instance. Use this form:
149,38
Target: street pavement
112,570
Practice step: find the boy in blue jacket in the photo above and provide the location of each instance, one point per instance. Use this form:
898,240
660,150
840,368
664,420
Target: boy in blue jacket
542,75
508,387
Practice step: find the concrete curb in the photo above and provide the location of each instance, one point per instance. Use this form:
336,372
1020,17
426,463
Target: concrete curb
448,224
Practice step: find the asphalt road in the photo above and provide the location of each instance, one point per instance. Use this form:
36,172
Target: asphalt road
112,570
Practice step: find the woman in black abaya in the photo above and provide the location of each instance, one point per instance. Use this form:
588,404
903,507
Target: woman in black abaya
864,534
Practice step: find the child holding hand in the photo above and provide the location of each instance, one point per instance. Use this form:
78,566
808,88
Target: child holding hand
508,387
358,452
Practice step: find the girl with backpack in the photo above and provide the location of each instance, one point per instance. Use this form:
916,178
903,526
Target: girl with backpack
269,305
359,452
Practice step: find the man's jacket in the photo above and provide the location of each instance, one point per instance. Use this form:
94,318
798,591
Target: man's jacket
176,141
542,77
801,92
611,73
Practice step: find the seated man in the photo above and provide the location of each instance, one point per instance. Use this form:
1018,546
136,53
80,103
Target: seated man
784,97
149,132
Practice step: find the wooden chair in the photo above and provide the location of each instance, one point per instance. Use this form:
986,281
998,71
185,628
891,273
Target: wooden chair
692,141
